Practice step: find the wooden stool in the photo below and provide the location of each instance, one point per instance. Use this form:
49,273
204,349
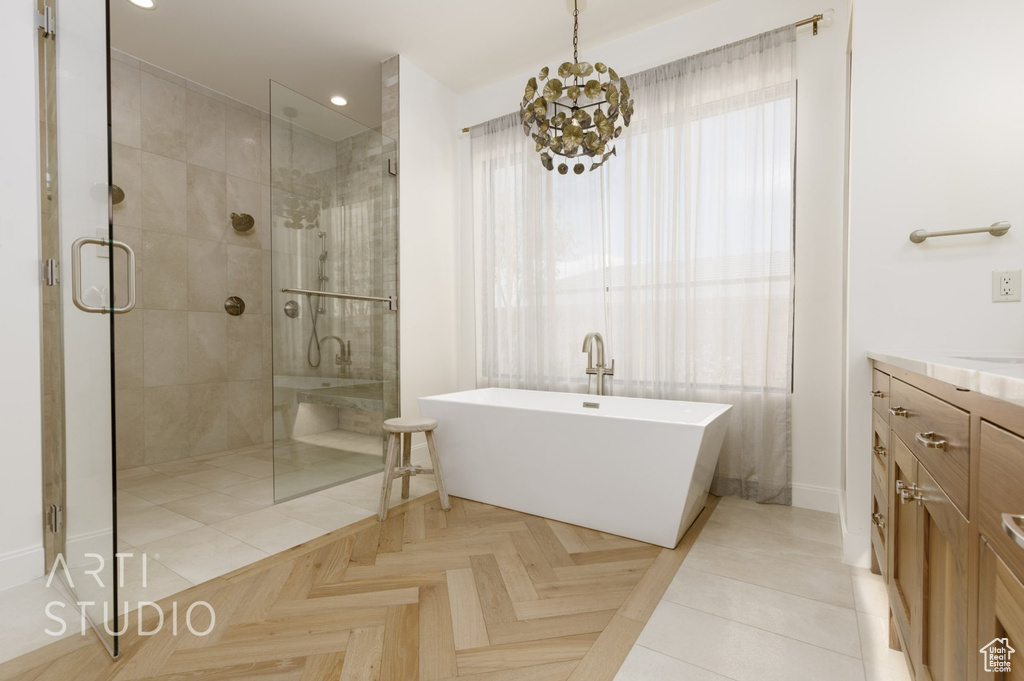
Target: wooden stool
404,428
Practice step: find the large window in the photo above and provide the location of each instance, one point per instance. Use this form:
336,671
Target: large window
679,250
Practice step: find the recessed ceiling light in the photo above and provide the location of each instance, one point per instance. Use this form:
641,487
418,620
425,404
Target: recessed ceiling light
337,100
144,4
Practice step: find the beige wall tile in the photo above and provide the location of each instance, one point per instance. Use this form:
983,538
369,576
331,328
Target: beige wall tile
165,258
207,347
242,146
268,347
245,347
266,218
205,137
165,348
207,418
125,103
245,413
166,423
207,203
128,366
127,174
130,415
163,117
244,197
245,277
268,410
164,202
132,237
207,276
265,170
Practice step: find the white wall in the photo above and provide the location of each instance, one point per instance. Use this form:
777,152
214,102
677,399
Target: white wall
21,553
937,143
820,165
428,238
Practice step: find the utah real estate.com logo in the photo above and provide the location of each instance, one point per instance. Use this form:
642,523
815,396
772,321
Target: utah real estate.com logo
997,655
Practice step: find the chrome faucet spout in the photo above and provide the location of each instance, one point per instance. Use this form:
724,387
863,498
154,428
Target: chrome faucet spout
589,341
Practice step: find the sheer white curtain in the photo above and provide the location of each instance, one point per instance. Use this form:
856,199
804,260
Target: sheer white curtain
680,251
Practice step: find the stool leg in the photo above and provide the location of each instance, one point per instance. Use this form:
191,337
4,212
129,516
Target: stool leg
389,475
406,461
438,477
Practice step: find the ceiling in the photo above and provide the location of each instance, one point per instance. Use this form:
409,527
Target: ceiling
326,47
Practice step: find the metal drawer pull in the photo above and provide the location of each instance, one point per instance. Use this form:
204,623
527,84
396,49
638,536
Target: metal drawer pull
1013,529
76,275
908,493
929,441
899,411
880,450
877,393
878,520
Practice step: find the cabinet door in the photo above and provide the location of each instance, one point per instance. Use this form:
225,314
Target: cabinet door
1000,614
904,563
879,530
942,624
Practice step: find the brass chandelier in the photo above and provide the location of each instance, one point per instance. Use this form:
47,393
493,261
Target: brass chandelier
575,115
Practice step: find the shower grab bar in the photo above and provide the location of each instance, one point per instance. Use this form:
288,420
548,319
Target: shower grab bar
392,301
995,229
76,275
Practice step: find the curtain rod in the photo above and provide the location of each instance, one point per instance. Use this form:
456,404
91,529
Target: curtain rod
809,20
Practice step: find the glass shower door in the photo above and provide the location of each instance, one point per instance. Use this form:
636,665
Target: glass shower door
334,287
78,247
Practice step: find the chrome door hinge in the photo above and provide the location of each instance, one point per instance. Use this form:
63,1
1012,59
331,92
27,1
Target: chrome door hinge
51,272
47,21
54,518
393,166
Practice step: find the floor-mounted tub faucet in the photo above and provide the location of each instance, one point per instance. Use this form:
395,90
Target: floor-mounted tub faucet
600,370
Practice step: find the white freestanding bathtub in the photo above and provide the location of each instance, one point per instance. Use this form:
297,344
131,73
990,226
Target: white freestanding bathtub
633,467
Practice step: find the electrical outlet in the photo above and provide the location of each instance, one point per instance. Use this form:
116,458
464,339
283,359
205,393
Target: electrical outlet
1006,286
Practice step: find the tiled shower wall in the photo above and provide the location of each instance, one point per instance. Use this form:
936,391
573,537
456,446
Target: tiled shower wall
191,379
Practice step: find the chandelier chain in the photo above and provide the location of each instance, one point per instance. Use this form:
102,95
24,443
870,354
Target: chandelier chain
575,32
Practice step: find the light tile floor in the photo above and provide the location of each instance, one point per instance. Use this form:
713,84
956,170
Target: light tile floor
763,595
198,519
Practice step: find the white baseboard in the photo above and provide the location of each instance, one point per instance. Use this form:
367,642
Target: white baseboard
18,567
856,547
816,498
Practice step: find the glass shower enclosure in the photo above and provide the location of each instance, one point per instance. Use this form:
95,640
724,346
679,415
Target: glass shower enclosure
335,285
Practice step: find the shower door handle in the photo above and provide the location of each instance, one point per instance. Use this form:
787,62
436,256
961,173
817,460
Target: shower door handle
76,275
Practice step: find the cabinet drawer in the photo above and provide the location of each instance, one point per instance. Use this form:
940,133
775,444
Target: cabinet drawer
939,436
1000,485
880,393
880,527
879,447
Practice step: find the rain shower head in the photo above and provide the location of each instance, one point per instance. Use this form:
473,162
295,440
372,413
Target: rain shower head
116,194
242,222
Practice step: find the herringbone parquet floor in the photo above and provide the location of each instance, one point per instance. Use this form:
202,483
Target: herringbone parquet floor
478,593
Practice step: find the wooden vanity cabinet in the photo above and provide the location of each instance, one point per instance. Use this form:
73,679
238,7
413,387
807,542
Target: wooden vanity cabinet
904,560
954,574
941,651
1001,562
1000,611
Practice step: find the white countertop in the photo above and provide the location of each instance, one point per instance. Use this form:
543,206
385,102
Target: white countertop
995,375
